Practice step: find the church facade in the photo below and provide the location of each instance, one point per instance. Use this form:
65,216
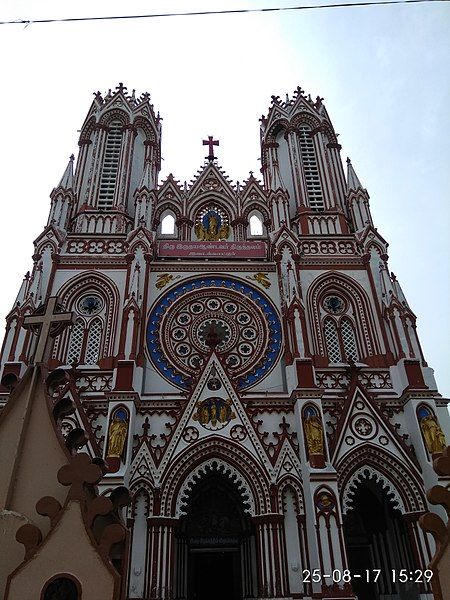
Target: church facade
242,360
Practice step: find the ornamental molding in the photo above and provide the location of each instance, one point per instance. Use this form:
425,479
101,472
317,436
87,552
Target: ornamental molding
366,473
215,465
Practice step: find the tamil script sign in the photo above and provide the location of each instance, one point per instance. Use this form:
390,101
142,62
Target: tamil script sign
226,250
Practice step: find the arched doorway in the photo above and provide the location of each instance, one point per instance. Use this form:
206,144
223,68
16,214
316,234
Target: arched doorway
215,543
377,544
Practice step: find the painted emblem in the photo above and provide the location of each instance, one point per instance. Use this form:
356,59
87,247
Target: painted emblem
214,413
261,278
212,227
163,279
325,501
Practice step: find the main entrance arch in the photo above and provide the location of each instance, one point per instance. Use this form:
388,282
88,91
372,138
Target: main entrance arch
377,542
215,542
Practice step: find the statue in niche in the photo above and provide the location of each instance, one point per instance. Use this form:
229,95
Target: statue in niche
314,434
211,228
117,434
433,435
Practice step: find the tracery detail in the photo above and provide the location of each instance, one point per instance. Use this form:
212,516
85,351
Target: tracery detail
232,317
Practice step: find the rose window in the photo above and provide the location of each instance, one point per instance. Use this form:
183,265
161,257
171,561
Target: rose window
334,304
231,317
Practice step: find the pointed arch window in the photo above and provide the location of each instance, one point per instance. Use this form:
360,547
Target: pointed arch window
76,342
256,225
168,225
349,340
340,340
110,167
332,341
310,168
85,342
93,342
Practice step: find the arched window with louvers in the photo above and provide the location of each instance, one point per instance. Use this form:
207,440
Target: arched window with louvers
110,168
310,168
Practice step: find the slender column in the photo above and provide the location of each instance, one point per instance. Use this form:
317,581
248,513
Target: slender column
271,555
246,565
161,553
181,565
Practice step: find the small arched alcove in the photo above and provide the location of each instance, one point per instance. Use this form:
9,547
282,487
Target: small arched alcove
215,545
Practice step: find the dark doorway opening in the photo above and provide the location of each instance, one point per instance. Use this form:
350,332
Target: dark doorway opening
215,574
216,534
376,539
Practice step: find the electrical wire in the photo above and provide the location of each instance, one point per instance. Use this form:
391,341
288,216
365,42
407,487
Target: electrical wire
218,12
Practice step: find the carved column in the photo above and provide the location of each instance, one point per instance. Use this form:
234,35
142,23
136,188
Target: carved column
239,228
271,556
181,567
161,553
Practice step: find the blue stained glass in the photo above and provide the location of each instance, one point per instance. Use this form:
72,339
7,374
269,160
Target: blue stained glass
159,310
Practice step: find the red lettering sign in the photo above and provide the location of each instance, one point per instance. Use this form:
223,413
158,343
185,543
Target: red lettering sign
226,250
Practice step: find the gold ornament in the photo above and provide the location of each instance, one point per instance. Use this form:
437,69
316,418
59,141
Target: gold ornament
261,278
433,435
214,413
116,437
212,233
163,280
314,434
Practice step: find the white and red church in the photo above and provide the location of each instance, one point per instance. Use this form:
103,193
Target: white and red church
240,358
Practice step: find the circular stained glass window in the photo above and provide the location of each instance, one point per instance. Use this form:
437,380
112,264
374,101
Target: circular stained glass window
334,304
229,316
90,305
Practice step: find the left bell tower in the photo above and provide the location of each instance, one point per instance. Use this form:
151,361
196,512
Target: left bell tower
97,209
120,143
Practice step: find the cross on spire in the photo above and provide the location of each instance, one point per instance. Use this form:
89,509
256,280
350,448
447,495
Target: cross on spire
49,324
211,143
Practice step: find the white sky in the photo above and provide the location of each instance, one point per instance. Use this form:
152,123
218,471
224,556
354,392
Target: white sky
383,72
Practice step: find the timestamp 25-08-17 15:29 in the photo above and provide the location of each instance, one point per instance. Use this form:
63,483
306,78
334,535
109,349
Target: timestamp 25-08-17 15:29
368,575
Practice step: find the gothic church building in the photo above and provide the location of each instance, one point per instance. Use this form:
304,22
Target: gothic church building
240,407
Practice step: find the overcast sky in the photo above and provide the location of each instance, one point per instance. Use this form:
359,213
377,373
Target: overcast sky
383,73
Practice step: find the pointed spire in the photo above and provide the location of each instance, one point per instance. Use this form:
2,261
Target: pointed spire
387,291
398,291
22,292
353,182
147,176
67,178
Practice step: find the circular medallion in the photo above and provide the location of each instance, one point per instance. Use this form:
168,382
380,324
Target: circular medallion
364,426
90,305
214,413
325,501
232,317
334,304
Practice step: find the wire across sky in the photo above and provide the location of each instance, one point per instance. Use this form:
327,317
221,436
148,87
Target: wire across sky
219,12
